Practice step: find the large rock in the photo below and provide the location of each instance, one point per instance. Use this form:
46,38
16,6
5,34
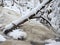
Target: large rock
36,31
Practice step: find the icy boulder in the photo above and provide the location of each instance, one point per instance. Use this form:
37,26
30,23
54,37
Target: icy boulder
18,34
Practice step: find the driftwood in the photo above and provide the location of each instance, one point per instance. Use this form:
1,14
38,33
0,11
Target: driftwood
24,18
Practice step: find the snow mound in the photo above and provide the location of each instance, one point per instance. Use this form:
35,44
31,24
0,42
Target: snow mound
2,38
18,34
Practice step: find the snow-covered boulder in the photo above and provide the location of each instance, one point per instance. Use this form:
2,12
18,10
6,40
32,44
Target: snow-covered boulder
18,34
2,39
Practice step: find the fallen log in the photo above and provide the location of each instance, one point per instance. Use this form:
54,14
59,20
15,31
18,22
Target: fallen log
24,18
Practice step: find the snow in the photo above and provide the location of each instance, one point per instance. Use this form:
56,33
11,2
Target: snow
19,8
26,13
33,11
56,43
0,25
33,7
2,38
52,42
18,33
10,7
26,16
8,26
